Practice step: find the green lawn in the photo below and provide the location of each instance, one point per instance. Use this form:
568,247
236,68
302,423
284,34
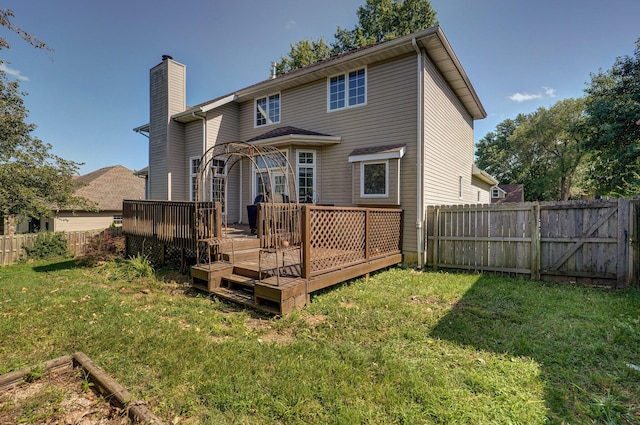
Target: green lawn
402,347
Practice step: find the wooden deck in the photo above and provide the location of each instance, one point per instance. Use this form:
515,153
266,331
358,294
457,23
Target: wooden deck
298,249
271,285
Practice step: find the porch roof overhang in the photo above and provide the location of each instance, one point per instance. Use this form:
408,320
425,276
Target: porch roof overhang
283,136
483,176
432,40
377,153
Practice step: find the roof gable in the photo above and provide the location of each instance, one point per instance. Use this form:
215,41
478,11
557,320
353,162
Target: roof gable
109,186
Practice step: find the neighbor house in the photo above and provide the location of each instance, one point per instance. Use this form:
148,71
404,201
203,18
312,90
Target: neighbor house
107,188
387,125
507,193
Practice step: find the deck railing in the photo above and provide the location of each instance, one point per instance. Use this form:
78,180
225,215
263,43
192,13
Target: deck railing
168,222
279,225
338,237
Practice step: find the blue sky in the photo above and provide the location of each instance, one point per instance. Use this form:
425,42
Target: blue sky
87,95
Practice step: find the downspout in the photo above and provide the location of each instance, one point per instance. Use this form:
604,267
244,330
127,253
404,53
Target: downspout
204,138
419,144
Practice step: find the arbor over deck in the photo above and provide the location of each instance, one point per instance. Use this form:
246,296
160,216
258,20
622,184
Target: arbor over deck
299,248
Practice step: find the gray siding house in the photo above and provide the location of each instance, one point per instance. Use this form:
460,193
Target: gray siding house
387,125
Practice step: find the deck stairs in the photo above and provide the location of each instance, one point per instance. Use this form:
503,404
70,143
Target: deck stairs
236,276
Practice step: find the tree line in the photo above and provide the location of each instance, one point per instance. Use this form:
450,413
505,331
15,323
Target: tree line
577,148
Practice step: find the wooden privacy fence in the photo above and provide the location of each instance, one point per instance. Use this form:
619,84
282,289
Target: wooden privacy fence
591,242
12,247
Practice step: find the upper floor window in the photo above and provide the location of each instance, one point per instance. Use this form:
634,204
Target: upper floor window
268,110
347,90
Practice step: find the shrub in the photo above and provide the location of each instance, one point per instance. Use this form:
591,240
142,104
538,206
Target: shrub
48,245
105,246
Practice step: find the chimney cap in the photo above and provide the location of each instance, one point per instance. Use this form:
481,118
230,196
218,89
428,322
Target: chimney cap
165,57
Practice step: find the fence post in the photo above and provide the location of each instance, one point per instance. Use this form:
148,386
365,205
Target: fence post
436,234
623,263
535,241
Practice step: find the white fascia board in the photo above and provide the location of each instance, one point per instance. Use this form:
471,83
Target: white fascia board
218,103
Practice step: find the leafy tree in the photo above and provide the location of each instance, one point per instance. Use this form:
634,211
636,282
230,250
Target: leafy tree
378,20
612,129
32,179
381,20
303,53
542,150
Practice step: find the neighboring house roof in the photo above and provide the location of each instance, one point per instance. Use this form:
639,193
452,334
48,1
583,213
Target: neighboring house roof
513,193
432,40
109,186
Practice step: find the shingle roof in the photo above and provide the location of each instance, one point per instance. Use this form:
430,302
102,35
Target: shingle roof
109,186
513,193
377,149
286,131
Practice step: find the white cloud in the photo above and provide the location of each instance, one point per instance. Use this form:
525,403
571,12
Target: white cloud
14,72
291,24
523,97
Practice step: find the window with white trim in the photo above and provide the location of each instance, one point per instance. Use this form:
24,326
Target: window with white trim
347,90
306,172
460,193
495,193
268,110
194,164
218,176
269,175
375,179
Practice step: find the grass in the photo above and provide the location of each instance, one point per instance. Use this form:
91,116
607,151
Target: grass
402,347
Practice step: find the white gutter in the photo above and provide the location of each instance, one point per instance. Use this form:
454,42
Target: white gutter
420,173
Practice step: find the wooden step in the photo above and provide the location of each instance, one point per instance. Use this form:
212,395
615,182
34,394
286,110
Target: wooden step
239,244
238,255
234,280
209,276
244,298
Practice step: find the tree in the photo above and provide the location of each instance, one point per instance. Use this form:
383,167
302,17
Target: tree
542,150
303,53
32,179
612,129
381,20
378,20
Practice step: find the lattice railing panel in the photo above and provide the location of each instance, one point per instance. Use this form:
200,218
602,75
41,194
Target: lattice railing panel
337,238
384,234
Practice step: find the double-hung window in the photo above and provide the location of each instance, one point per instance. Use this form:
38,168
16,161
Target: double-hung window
267,110
194,164
218,177
347,90
306,171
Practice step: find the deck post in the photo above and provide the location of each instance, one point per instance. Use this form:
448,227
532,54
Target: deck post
305,243
367,229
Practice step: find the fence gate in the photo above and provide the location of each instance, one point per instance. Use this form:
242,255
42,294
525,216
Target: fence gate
586,242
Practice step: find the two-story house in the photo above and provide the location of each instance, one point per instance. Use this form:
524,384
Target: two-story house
387,125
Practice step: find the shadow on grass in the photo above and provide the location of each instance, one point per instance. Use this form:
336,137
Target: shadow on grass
575,334
66,264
